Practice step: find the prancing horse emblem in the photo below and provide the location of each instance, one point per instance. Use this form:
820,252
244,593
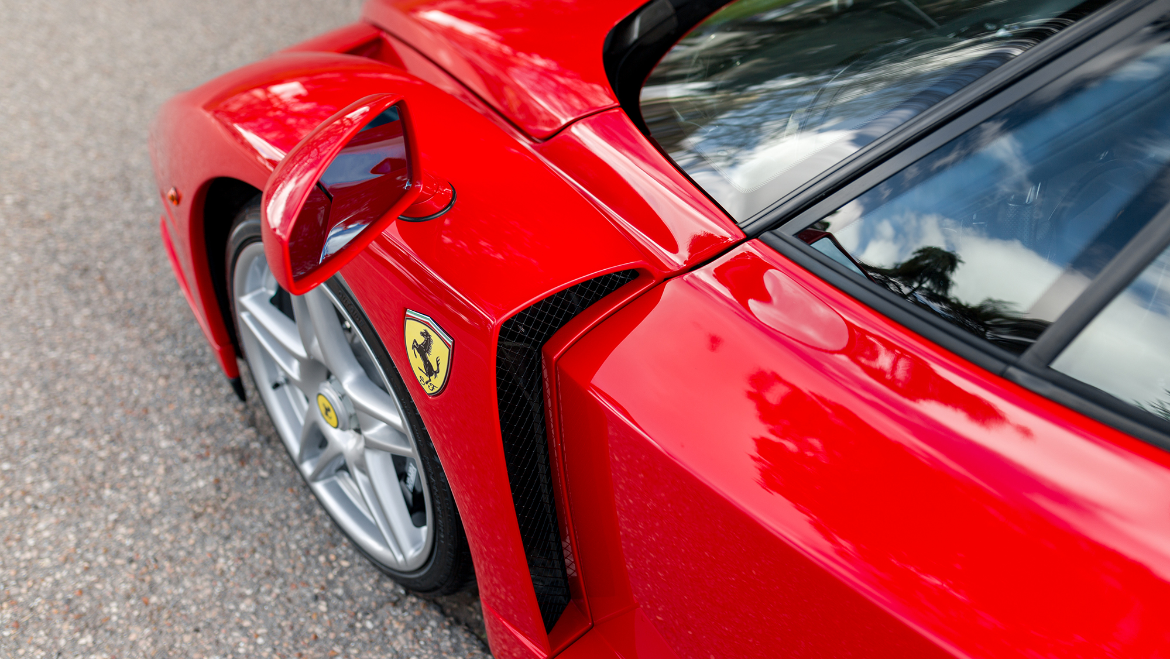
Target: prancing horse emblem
429,350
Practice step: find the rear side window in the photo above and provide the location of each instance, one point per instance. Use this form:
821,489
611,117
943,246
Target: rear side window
1003,228
1125,351
765,95
1044,230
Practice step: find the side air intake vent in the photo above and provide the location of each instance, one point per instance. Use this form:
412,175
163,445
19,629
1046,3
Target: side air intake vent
520,389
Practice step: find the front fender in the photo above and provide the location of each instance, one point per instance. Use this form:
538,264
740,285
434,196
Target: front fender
518,234
238,127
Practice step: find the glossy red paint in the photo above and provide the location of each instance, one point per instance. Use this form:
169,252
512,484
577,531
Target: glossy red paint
628,636
615,167
265,109
239,126
225,355
435,196
470,270
747,462
870,493
536,61
570,627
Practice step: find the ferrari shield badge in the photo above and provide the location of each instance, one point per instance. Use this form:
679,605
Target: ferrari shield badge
429,350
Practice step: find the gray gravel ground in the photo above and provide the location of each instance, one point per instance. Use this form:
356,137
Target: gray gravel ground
143,511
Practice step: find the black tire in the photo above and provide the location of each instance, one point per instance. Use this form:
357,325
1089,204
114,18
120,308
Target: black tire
449,567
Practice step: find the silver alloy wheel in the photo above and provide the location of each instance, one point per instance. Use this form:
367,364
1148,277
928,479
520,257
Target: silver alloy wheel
364,466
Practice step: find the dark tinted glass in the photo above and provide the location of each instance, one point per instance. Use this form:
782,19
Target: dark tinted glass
1125,350
766,94
1002,228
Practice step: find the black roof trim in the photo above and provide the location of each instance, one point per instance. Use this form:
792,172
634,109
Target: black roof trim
636,44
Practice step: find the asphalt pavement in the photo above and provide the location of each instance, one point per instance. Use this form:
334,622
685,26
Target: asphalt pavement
144,512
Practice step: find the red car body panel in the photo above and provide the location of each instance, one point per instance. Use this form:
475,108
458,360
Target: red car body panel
748,463
521,231
615,167
831,484
538,62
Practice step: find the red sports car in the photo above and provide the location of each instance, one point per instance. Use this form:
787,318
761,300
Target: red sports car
697,328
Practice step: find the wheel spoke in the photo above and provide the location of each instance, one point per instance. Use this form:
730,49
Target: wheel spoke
328,458
310,435
279,326
287,363
351,468
277,335
389,496
338,356
381,437
360,474
305,327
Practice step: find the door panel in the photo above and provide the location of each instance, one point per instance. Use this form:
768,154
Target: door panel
791,474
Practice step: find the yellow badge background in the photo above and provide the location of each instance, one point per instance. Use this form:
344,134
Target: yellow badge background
429,350
326,410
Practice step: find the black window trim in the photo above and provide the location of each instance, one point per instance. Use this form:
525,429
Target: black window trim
1117,275
635,45
1031,369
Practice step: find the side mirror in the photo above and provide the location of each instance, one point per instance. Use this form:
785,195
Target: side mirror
340,187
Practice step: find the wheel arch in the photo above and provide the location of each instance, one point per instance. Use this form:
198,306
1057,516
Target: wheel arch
223,201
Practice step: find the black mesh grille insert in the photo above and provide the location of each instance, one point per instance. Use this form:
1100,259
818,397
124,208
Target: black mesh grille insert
520,389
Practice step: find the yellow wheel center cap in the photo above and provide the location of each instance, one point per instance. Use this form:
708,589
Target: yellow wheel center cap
327,411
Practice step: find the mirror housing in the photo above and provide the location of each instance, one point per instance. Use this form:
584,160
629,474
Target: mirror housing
338,189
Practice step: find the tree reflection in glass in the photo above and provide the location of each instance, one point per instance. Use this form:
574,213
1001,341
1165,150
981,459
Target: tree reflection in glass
1002,228
765,95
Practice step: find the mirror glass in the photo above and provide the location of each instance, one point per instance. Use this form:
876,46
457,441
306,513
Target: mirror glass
369,175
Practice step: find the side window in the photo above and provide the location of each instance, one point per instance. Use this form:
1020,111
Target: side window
1125,350
1030,230
1000,230
765,95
